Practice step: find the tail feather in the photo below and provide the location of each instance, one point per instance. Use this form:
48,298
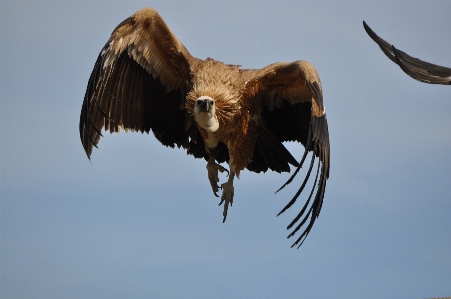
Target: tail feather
271,154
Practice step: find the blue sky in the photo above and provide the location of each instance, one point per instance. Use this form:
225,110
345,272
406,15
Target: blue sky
141,220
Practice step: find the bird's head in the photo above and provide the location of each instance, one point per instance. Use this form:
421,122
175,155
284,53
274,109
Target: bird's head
205,113
204,104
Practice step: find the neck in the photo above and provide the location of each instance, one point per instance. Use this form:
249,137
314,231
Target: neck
210,124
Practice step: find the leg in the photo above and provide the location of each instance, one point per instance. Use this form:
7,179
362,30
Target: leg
213,168
227,194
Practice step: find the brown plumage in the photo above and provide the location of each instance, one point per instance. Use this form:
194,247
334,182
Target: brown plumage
418,69
145,79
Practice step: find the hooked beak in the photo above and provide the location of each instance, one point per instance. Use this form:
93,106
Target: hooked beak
205,106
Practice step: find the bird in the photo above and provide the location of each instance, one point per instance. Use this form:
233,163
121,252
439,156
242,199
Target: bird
418,69
144,79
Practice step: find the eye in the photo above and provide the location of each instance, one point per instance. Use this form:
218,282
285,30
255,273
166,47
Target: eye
199,102
212,103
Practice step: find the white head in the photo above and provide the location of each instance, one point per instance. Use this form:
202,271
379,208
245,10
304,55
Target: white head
204,113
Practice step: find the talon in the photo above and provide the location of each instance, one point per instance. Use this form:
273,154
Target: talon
213,169
224,213
224,169
227,195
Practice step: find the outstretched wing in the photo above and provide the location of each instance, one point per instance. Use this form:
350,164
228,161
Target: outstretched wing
139,82
419,70
289,98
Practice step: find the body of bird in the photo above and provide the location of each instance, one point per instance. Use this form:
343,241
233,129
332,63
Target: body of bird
145,79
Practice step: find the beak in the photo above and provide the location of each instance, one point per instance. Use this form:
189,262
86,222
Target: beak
205,106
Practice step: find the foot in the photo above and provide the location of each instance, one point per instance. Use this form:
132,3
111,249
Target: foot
213,168
227,195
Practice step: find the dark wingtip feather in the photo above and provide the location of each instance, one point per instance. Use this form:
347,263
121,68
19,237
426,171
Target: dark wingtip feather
370,32
293,200
383,45
318,145
305,205
295,173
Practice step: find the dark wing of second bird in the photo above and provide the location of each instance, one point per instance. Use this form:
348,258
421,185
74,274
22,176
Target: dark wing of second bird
418,69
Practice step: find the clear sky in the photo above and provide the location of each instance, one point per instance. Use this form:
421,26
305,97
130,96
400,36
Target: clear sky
141,220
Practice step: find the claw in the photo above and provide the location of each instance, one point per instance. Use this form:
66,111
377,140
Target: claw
227,195
213,169
222,169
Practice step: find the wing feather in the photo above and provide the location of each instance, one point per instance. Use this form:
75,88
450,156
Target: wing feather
138,83
418,69
289,99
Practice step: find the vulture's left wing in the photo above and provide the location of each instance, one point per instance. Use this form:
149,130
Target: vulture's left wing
289,98
419,70
139,83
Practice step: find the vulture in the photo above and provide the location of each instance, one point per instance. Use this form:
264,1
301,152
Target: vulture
418,69
145,79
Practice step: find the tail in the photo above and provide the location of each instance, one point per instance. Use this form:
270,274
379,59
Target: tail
270,153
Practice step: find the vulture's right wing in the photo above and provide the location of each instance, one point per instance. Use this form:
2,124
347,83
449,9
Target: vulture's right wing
139,82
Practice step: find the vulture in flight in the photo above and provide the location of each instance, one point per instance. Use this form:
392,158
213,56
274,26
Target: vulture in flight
419,70
145,79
